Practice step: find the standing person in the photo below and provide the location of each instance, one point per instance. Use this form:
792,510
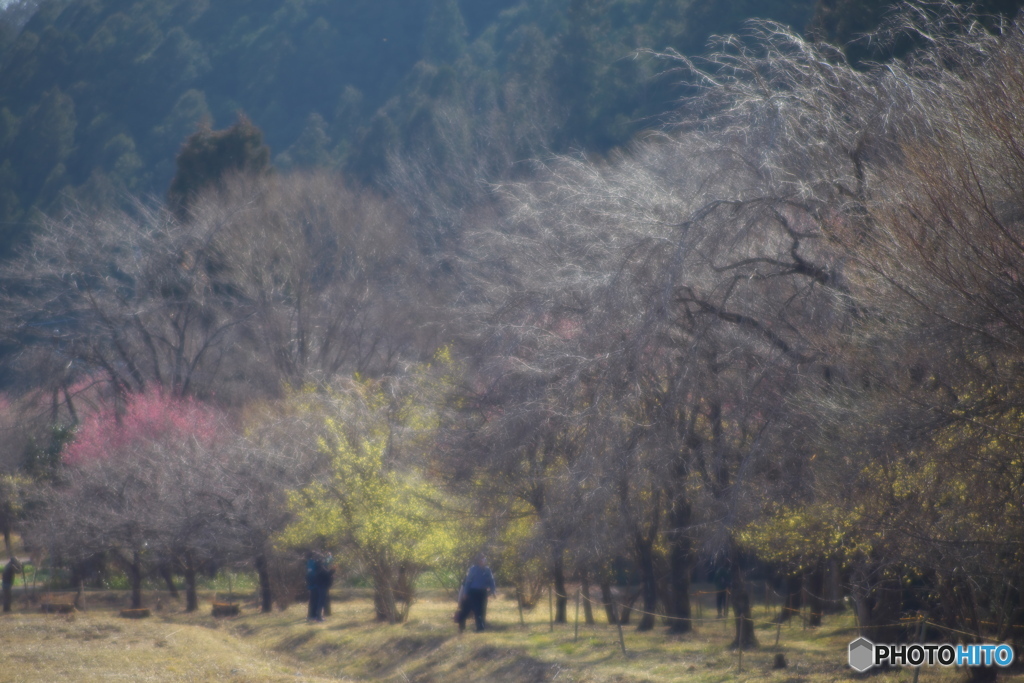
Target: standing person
473,594
324,579
314,565
8,581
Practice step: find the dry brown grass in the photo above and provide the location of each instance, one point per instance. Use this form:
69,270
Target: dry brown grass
172,646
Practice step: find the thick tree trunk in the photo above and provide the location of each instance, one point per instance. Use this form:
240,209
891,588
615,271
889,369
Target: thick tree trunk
745,638
609,604
833,588
384,596
266,594
792,589
588,613
191,599
816,594
1014,632
558,574
680,560
165,574
645,558
135,578
878,606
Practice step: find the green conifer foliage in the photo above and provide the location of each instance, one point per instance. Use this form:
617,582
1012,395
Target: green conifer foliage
210,155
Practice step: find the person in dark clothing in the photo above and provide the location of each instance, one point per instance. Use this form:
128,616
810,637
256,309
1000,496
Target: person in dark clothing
473,594
324,579
8,581
315,584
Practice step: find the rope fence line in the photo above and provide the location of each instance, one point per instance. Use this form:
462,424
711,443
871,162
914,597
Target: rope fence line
622,606
964,633
902,622
756,622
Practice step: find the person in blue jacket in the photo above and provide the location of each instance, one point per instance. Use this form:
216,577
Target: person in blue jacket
473,594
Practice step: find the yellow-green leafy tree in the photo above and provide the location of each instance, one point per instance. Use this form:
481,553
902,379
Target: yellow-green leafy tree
376,500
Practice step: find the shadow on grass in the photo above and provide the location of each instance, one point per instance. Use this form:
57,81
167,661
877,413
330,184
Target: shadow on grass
342,625
416,645
295,642
526,669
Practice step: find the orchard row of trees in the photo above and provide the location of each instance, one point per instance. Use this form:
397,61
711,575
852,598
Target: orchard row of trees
786,331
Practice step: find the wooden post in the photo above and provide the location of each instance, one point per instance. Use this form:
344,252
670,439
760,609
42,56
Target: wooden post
739,669
519,603
576,628
622,641
778,632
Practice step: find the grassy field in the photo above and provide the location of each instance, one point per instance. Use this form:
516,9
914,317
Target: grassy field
98,645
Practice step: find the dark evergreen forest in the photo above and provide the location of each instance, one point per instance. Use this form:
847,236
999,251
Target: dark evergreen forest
97,96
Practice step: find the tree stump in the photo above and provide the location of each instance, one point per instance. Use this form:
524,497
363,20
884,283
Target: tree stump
55,604
225,609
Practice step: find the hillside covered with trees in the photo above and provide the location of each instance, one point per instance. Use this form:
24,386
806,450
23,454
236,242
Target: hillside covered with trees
777,337
96,97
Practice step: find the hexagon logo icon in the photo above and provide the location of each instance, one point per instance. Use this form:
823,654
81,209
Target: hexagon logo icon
862,654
